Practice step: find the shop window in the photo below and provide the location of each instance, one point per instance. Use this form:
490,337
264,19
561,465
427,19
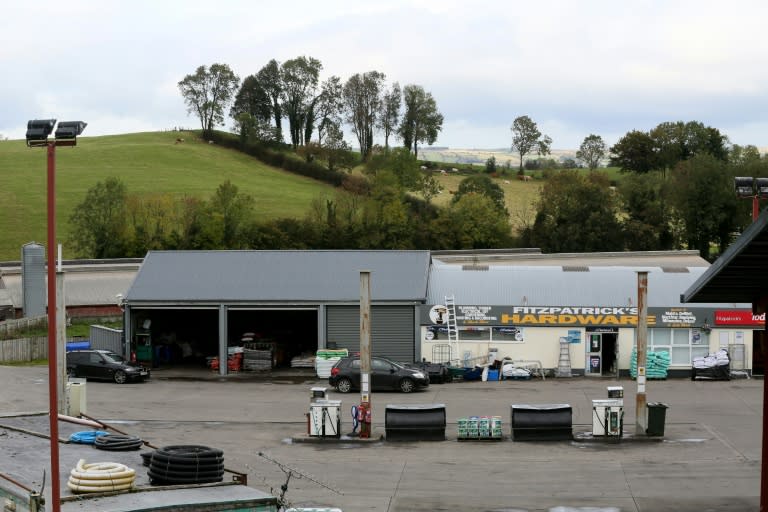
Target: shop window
507,334
475,333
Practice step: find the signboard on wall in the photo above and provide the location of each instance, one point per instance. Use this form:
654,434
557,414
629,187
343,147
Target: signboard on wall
598,316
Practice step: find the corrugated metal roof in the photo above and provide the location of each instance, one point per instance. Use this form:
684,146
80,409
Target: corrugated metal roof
309,276
551,286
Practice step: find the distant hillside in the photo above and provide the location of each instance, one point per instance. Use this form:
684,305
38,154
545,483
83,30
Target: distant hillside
480,156
146,163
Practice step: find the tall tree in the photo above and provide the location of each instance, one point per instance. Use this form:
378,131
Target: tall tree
473,222
100,221
329,108
234,209
362,101
577,213
526,138
390,112
299,78
421,121
271,81
591,151
634,152
646,226
702,198
208,92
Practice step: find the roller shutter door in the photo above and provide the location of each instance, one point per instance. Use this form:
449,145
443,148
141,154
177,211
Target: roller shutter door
392,330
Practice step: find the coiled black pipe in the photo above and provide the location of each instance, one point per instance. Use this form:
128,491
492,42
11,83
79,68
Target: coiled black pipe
185,464
118,442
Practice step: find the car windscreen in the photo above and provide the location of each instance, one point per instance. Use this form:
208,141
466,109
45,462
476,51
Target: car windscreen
113,358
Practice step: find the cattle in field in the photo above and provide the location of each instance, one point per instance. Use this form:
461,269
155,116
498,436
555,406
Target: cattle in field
179,141
523,177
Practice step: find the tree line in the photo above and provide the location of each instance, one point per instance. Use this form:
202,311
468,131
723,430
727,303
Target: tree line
315,110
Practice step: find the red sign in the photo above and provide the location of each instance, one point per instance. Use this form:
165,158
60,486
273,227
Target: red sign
725,317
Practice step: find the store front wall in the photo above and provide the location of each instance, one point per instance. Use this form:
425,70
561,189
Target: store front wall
533,333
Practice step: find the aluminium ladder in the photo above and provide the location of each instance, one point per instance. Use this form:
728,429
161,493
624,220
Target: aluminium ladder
453,331
564,364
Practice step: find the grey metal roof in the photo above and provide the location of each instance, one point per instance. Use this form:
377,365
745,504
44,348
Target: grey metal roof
252,276
740,273
553,286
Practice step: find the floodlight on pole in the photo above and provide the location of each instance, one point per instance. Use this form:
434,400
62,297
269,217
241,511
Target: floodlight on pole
38,133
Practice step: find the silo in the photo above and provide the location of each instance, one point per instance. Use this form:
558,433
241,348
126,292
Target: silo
33,279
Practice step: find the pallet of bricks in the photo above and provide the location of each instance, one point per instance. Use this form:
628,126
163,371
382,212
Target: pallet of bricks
479,428
258,356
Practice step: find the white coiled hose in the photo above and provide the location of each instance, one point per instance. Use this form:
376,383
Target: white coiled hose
100,477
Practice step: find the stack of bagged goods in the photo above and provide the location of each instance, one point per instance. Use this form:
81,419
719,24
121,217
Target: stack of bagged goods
656,364
303,360
510,371
715,366
326,358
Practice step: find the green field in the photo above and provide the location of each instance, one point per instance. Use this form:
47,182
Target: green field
146,163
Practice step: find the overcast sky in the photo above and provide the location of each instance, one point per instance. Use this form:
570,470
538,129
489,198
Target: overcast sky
575,67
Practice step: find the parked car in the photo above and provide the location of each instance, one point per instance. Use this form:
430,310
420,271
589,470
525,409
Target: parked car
104,365
385,374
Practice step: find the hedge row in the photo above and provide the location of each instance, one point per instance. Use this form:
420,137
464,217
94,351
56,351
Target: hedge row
279,158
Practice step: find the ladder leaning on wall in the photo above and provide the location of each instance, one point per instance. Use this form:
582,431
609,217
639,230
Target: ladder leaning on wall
453,331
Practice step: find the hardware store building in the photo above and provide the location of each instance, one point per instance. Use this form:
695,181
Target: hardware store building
521,306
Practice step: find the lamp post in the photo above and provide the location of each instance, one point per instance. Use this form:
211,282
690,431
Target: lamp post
37,135
752,188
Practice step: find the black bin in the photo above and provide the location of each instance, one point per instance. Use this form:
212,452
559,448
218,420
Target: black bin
656,415
542,422
415,422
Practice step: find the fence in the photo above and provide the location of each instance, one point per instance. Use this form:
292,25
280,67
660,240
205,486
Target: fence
106,338
24,349
10,326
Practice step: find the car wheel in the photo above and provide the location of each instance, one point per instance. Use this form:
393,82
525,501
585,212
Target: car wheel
407,385
344,385
120,377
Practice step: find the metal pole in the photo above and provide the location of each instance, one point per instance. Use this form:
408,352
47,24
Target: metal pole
53,416
365,339
641,414
760,307
755,207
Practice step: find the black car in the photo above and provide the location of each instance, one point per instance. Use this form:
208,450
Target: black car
385,374
104,365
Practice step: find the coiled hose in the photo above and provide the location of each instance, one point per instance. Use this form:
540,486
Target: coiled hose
186,464
100,477
86,436
118,442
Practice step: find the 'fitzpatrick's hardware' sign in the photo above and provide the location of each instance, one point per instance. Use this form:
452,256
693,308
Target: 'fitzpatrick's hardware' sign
551,316
604,316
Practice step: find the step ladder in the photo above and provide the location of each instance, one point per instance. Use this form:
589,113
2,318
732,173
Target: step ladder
564,363
453,331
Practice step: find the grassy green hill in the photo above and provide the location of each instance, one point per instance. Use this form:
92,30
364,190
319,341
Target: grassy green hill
145,163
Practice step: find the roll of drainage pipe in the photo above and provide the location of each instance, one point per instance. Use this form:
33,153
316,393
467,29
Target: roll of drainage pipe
118,442
100,477
186,464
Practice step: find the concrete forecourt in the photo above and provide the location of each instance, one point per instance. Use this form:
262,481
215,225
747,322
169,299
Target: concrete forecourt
708,458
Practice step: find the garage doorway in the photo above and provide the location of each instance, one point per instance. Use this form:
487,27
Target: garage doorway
289,333
174,337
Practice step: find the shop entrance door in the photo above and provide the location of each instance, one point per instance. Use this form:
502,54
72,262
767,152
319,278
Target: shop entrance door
594,365
602,353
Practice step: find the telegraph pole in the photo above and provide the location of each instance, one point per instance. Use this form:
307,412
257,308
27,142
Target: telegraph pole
641,414
365,342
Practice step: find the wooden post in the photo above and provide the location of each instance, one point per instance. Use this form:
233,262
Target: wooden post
365,342
641,413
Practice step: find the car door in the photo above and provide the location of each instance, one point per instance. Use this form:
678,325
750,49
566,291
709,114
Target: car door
97,366
383,374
